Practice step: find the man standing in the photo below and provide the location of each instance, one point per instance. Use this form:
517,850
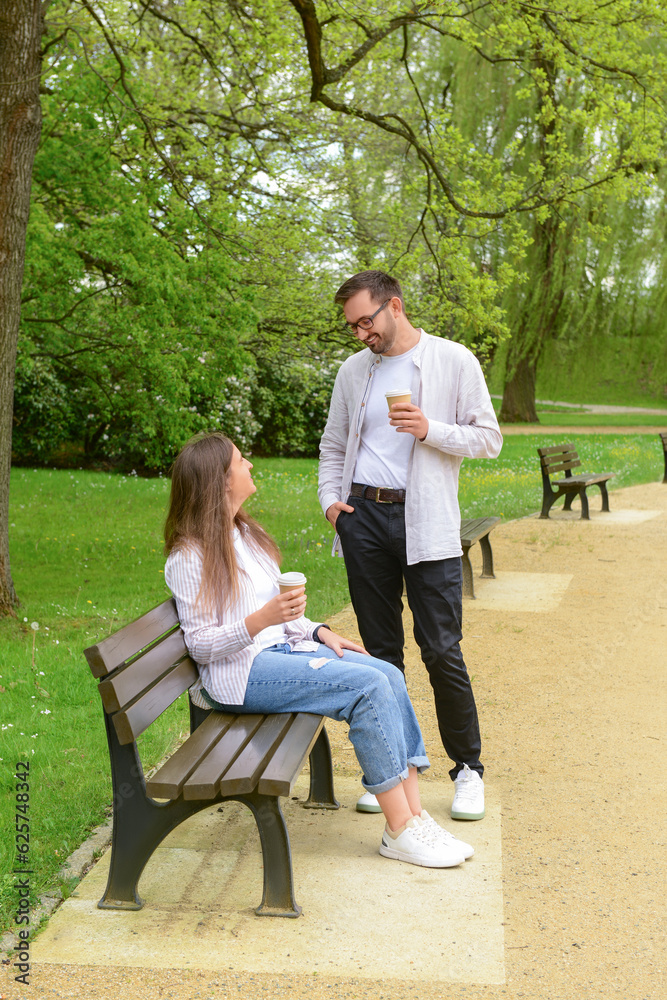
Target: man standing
389,484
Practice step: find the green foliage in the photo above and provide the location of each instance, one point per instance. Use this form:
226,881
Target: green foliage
42,413
582,90
199,194
133,309
291,401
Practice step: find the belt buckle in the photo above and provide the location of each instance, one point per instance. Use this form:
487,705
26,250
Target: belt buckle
377,495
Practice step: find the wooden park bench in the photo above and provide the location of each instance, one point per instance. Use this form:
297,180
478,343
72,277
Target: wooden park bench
563,458
477,529
663,438
254,759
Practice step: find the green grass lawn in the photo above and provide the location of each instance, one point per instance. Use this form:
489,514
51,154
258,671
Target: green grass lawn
86,552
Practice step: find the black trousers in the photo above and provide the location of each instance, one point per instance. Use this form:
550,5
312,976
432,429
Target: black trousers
373,542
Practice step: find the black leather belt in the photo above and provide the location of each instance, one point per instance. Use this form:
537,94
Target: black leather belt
381,494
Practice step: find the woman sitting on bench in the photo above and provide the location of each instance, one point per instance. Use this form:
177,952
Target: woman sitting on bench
258,653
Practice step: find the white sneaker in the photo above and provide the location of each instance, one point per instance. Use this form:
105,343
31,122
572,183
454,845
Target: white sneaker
445,836
469,795
417,846
368,804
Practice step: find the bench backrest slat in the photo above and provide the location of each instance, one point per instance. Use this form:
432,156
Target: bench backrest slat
168,782
558,458
112,652
552,469
244,773
126,684
555,448
138,715
203,782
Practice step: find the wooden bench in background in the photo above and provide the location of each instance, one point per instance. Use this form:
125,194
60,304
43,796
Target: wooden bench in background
563,458
254,759
663,438
477,530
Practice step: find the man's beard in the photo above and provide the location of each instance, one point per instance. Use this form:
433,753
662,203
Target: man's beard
385,341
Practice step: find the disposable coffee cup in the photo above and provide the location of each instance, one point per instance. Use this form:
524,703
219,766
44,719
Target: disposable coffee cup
398,396
290,581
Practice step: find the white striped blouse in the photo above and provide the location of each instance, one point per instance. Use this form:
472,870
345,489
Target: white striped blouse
221,645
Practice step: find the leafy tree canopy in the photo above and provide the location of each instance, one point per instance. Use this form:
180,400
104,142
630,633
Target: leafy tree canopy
210,171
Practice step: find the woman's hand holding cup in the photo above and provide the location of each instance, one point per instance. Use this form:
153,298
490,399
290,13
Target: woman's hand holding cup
287,606
293,587
290,605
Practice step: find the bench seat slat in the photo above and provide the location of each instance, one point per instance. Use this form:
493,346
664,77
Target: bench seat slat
113,651
285,766
203,782
127,683
168,782
473,528
590,479
136,717
244,773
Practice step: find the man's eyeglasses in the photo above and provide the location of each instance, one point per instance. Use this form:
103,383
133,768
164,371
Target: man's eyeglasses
366,322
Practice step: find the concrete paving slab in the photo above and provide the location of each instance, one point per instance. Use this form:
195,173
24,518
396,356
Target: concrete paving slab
539,592
363,915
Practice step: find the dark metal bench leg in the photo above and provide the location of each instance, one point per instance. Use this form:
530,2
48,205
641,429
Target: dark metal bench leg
487,557
321,795
468,585
278,898
605,496
585,516
139,825
569,497
547,503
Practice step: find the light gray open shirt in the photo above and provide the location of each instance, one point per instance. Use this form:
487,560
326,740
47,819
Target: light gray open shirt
449,388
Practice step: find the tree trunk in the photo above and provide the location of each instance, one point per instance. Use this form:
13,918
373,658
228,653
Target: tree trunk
21,27
518,405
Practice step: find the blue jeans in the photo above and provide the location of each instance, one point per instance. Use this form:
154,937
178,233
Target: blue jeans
369,694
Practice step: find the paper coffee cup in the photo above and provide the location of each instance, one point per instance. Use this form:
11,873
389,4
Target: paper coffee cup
398,396
290,581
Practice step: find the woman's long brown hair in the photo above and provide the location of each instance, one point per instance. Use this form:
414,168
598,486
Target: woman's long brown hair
200,513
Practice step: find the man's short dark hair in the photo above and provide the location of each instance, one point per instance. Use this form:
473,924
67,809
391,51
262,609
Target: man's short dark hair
380,285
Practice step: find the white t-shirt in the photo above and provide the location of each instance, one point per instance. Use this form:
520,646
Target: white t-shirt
264,586
384,454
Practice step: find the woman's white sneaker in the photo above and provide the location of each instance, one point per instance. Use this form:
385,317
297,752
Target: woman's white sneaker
417,846
469,795
445,836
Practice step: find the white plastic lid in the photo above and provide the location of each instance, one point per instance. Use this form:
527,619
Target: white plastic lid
292,580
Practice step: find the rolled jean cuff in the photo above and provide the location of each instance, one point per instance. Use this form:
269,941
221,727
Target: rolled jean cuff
421,763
